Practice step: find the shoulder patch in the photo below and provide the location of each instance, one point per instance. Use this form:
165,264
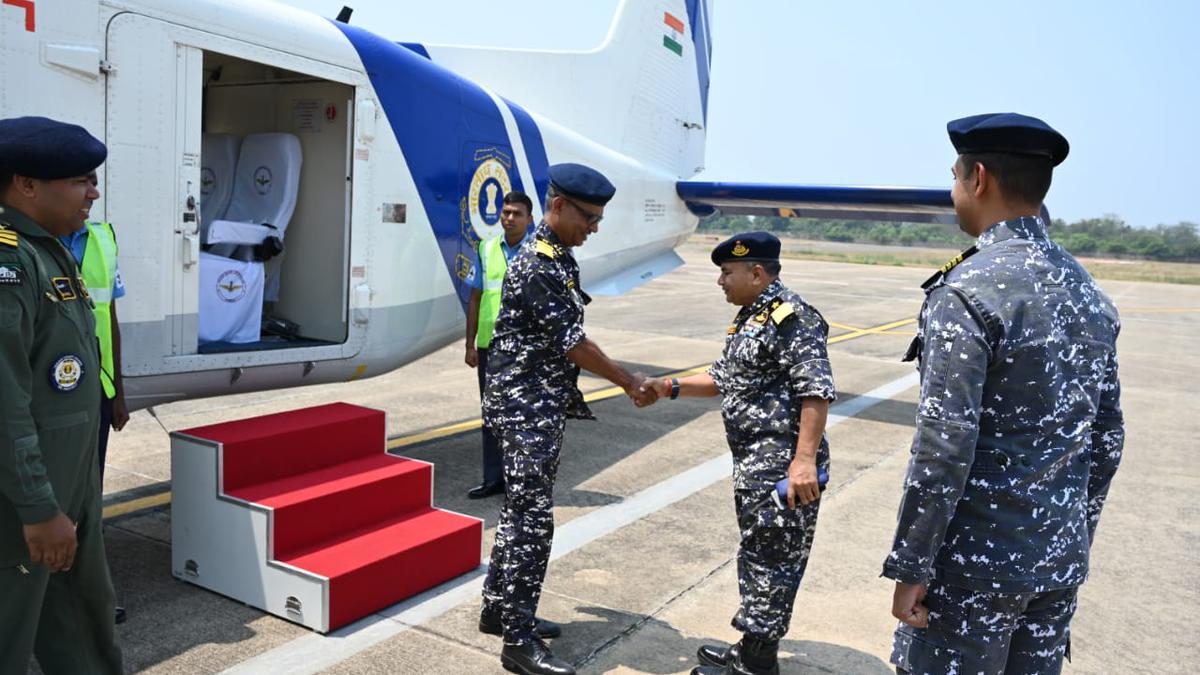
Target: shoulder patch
547,249
951,264
781,312
11,274
8,237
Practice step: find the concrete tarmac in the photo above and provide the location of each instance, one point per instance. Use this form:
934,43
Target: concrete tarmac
639,593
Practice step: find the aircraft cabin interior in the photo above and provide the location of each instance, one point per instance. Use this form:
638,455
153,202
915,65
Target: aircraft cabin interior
274,208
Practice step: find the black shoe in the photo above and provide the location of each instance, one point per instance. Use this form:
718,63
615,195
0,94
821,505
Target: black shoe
533,659
712,655
750,656
119,616
489,622
486,489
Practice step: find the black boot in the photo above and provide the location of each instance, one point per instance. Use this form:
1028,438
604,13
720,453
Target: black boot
713,655
534,658
750,656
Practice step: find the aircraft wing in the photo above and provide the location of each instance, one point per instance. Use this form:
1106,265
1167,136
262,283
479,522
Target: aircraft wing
903,204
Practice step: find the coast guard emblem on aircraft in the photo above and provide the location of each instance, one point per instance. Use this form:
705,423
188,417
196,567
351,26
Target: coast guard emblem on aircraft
486,193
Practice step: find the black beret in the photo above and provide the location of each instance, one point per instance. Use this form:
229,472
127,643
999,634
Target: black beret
747,246
1007,133
582,182
47,149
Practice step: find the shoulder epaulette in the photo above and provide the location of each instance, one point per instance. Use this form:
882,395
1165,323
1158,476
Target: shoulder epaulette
8,237
951,264
781,310
547,249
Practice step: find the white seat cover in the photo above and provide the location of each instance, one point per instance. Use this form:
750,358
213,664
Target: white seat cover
218,157
231,299
265,187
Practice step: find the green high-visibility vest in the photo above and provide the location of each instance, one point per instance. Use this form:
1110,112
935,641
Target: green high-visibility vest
99,270
494,267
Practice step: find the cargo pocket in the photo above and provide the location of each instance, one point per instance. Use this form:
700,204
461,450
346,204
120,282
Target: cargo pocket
918,656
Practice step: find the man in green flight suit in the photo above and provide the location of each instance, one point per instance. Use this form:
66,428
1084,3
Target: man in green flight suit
58,596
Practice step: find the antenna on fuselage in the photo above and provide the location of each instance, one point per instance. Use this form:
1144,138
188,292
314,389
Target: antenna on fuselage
344,15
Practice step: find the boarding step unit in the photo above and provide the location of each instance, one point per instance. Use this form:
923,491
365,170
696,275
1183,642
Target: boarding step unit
303,514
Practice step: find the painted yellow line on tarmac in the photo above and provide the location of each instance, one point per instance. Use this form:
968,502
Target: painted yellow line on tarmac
874,330
842,326
140,504
152,501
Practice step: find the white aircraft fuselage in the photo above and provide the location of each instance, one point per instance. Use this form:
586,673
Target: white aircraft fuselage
407,150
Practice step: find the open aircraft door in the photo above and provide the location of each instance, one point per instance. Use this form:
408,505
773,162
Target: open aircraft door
168,88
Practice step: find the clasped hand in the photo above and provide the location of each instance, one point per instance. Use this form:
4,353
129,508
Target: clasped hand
646,390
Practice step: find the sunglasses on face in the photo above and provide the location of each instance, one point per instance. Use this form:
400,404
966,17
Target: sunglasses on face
591,218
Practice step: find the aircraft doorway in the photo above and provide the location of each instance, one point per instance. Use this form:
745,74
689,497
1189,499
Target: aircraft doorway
275,184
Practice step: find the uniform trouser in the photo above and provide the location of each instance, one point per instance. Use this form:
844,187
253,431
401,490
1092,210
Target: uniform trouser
525,531
106,413
988,633
64,618
771,561
493,467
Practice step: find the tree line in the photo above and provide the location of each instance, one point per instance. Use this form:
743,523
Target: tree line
1109,235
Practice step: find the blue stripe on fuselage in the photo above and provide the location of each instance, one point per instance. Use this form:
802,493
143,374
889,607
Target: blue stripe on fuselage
535,149
698,21
445,125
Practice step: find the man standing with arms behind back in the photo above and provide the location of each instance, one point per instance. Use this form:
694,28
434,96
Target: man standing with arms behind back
1019,426
57,595
486,280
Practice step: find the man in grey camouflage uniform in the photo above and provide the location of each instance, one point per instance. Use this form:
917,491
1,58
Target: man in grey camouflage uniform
1019,426
536,353
776,384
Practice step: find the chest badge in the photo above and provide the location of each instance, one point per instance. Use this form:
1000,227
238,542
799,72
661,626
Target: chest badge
67,372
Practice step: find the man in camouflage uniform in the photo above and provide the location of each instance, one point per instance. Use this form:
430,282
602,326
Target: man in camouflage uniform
1019,427
57,597
536,353
776,385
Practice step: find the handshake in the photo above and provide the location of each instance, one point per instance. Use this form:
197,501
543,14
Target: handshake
645,390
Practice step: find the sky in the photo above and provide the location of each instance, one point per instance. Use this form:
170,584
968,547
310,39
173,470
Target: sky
858,92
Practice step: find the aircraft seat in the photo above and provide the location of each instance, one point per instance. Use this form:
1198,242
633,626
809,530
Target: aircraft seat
265,188
218,157
231,299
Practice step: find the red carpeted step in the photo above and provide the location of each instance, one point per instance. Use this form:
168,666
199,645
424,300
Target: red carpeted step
372,569
270,447
325,504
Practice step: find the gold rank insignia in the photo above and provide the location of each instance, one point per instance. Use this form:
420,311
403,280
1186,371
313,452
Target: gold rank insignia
8,237
951,264
547,249
739,249
781,310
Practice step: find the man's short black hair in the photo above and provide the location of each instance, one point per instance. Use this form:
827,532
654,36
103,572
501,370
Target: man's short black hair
1024,178
6,179
518,197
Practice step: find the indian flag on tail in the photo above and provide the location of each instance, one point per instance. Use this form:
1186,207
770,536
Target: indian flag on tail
673,39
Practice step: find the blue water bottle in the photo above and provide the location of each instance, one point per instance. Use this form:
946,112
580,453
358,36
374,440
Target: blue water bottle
779,494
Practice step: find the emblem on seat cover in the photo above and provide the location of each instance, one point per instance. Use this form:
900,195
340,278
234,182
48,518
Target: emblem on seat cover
231,286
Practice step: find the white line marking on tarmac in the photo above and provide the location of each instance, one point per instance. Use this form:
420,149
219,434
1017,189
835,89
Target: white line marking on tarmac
313,653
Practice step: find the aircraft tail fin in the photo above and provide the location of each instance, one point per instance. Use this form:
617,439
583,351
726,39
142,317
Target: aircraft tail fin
643,92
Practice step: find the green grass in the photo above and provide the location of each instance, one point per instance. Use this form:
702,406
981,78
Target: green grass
1122,270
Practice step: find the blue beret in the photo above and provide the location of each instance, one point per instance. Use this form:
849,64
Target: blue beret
43,148
747,246
582,182
1007,133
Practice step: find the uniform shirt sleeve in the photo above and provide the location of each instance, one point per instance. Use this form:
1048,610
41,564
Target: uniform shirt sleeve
953,370
551,304
475,275
118,289
803,353
23,479
1108,442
